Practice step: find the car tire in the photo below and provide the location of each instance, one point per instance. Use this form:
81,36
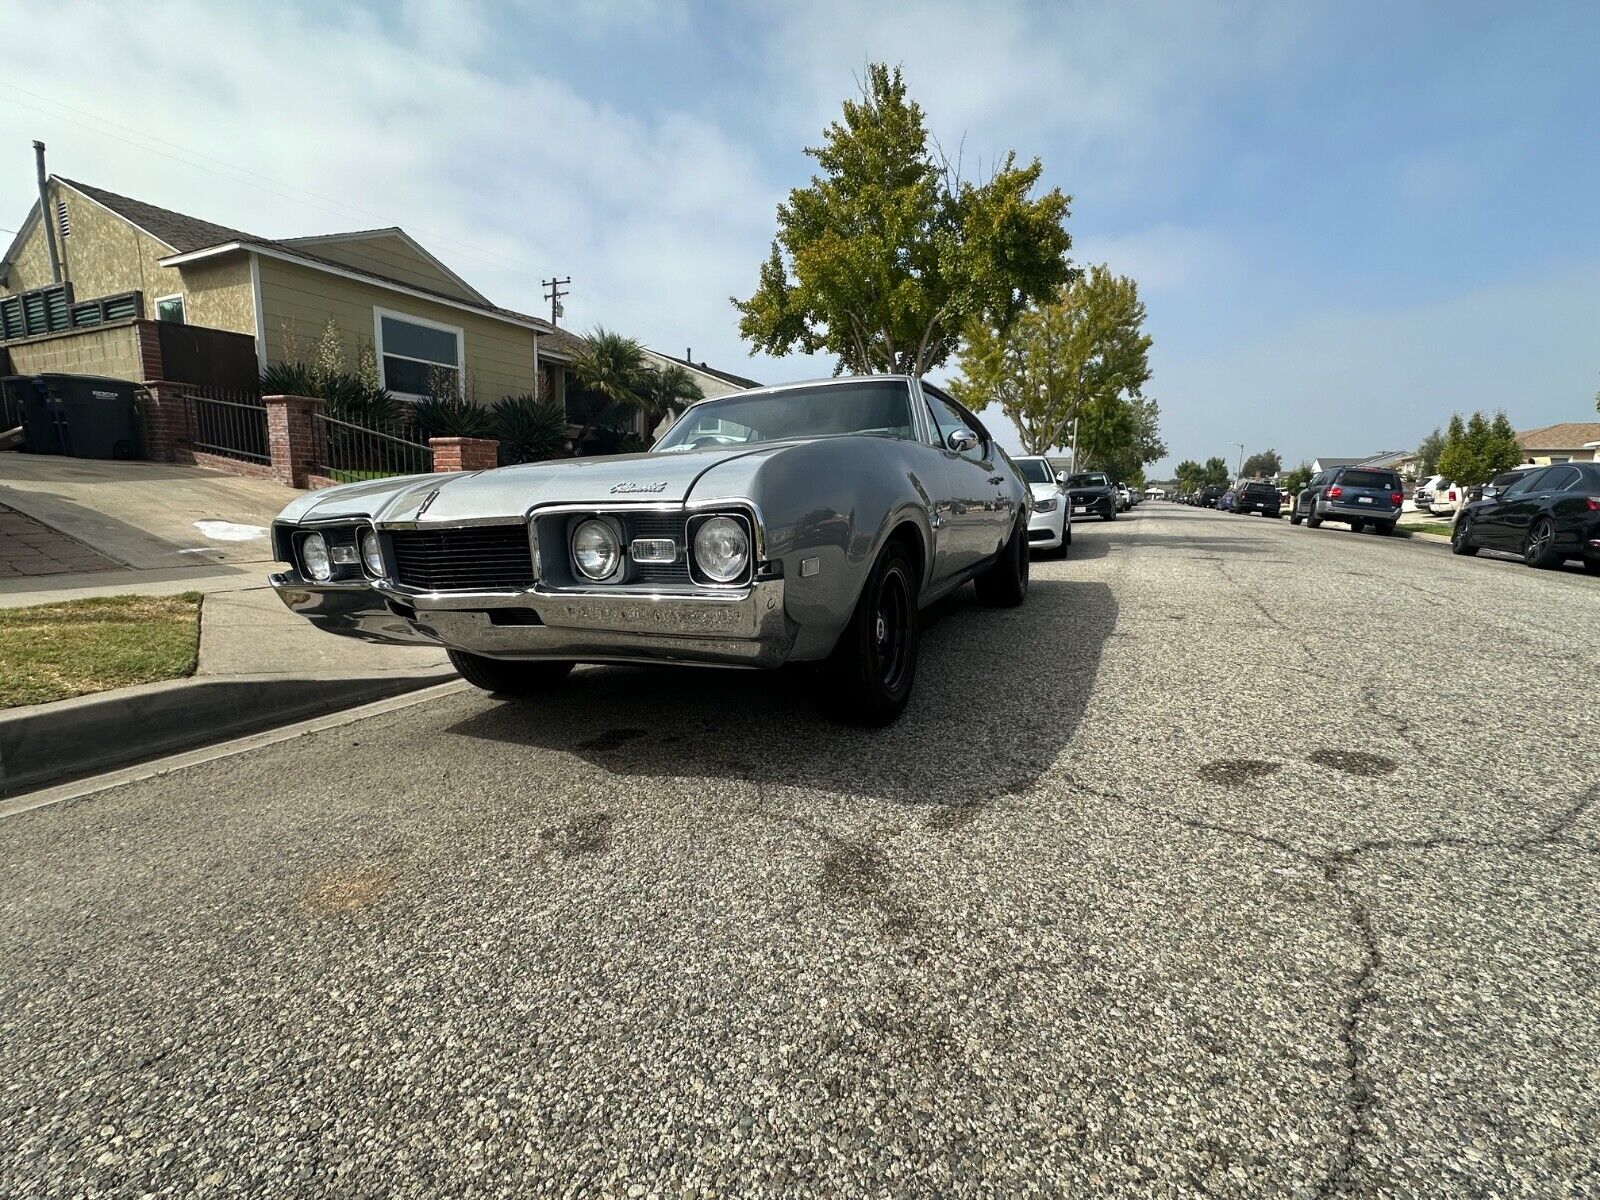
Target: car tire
509,677
1294,516
1312,520
1383,528
1592,565
867,679
1109,515
1461,538
1540,549
1005,584
1357,526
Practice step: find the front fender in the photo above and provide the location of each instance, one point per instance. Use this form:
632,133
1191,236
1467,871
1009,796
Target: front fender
828,506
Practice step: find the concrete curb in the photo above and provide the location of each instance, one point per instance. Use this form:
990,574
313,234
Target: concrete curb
42,744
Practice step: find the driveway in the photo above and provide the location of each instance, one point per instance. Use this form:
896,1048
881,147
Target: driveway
1232,863
147,516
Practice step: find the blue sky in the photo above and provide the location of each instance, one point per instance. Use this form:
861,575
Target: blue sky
1348,220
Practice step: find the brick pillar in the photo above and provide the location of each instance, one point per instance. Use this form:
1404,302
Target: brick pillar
465,454
147,340
292,437
165,410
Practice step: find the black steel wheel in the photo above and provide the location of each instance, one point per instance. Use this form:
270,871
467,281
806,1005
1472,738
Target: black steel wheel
867,679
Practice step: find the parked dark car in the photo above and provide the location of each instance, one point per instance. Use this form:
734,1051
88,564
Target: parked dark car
1225,503
1358,496
1254,495
1548,516
1209,496
1092,494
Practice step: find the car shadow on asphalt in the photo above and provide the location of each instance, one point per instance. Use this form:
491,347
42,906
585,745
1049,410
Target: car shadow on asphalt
999,694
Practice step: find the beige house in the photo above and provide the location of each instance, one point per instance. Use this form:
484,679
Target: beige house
123,263
1570,441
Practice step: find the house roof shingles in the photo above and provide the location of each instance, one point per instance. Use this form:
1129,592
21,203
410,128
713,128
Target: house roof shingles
186,234
1568,435
725,376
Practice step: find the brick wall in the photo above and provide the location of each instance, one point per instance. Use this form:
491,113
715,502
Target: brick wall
465,454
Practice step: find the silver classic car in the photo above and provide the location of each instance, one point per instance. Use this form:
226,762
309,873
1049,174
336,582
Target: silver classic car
803,523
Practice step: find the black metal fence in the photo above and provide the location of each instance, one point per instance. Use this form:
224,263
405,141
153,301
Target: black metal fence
350,452
229,424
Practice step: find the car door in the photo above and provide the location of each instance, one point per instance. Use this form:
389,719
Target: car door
1516,509
941,480
972,494
1307,500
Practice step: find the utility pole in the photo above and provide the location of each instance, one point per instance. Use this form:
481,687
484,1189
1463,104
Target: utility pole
1241,459
557,288
1074,443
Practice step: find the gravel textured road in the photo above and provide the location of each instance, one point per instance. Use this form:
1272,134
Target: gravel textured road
1242,860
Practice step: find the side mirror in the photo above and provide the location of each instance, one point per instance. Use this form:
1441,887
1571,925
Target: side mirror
1061,478
962,440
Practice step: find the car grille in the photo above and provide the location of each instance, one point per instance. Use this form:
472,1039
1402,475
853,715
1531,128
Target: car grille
659,525
484,558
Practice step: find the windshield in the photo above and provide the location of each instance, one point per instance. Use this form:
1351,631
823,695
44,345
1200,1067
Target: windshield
879,408
1088,479
1036,470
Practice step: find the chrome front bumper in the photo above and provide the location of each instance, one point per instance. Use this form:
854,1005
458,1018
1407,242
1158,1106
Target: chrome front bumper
740,627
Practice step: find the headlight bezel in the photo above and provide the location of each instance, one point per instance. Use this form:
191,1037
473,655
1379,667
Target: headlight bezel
364,534
698,570
1046,505
613,531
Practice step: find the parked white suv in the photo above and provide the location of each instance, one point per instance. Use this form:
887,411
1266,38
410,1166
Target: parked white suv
1423,496
1446,498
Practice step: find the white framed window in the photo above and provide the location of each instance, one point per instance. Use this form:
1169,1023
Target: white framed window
416,357
170,308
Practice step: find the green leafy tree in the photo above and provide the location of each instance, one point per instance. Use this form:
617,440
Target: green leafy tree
612,374
1216,471
1264,465
1428,451
1478,449
1120,435
1189,475
1077,356
1296,479
887,256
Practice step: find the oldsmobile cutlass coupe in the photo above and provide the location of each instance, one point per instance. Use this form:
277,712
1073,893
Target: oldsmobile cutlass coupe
803,523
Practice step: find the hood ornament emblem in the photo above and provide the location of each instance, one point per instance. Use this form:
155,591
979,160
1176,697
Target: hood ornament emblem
427,500
628,489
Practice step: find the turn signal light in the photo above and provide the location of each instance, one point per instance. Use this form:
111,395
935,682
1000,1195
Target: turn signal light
1335,492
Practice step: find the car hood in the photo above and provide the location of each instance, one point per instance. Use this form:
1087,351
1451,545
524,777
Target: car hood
511,492
1045,491
1090,489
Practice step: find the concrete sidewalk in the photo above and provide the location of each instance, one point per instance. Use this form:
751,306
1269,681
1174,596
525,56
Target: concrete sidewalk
259,665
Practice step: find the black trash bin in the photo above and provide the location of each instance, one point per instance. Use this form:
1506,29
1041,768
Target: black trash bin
98,415
42,418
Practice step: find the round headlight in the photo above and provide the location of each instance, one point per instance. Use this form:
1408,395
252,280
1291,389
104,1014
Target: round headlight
596,550
721,549
371,552
314,553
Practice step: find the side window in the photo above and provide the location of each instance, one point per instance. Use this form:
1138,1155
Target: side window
1528,483
1588,480
948,421
970,420
1560,479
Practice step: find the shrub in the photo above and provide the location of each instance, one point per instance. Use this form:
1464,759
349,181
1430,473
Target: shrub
451,416
345,394
529,430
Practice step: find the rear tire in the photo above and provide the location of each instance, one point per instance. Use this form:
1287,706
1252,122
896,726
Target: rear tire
1540,549
1005,584
1312,520
1384,528
508,677
1461,538
1294,516
867,679
1592,565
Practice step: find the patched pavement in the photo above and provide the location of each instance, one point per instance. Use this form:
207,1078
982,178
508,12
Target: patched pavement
1242,860
29,548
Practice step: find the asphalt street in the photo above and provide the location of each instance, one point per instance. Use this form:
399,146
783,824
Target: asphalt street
1242,860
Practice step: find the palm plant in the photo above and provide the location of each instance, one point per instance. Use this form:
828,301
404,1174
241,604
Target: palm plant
529,430
667,391
451,415
611,367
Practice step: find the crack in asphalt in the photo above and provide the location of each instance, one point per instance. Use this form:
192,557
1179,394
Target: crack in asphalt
1361,989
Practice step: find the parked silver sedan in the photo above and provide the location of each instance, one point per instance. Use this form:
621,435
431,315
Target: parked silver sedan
803,523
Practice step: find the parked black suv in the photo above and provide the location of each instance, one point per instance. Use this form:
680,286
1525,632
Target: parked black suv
1358,496
1092,495
1210,496
1255,495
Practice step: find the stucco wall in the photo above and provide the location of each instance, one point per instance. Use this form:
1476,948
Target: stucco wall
299,300
102,256
217,293
112,351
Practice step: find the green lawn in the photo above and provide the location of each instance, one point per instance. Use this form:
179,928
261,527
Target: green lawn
1442,528
53,651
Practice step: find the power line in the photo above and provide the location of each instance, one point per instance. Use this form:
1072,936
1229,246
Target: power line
554,291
